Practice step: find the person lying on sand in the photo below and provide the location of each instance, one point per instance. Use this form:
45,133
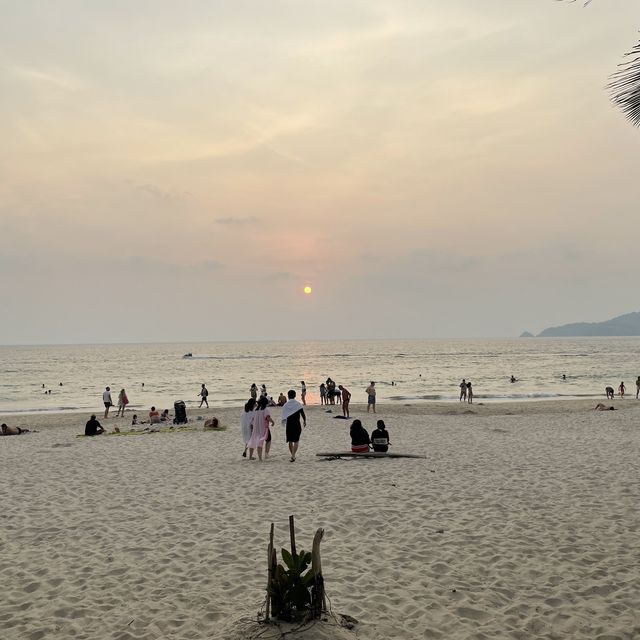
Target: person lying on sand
93,427
211,424
11,431
603,407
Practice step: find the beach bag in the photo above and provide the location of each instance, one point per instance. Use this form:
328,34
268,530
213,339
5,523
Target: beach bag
180,411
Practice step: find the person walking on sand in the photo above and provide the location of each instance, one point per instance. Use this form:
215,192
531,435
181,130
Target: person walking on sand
123,401
260,433
292,412
346,398
246,423
371,396
469,393
204,394
463,390
108,403
303,392
622,389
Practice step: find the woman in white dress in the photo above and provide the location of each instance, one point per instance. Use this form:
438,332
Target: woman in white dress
245,423
260,434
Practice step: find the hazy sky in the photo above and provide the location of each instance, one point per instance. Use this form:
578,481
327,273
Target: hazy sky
180,170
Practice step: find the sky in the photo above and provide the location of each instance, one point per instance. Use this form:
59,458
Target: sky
174,171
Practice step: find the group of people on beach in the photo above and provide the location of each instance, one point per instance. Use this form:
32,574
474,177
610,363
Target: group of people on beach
361,442
123,401
466,391
256,424
622,389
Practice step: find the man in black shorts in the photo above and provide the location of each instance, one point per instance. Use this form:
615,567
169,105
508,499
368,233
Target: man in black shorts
291,414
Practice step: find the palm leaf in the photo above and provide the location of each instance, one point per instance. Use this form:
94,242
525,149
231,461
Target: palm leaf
624,86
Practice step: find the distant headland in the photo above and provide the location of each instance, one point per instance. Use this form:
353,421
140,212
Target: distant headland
625,325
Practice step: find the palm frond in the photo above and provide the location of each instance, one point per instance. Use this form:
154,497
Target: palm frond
624,86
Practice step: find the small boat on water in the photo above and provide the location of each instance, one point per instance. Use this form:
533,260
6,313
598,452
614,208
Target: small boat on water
188,355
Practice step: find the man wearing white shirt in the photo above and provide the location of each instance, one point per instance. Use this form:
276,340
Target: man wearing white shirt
106,398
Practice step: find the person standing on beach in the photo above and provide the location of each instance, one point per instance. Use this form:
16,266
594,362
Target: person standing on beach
323,393
204,394
123,401
263,391
108,403
292,412
260,433
246,423
463,390
371,396
469,393
637,387
346,397
303,392
622,389
254,391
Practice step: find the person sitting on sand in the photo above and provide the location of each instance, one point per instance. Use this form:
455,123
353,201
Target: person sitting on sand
165,416
272,402
359,437
11,431
282,399
380,438
93,427
609,392
154,416
211,424
603,407
134,420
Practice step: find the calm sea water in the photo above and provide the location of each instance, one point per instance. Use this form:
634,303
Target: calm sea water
423,370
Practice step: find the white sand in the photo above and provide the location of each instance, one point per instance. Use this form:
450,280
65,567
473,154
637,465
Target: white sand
522,523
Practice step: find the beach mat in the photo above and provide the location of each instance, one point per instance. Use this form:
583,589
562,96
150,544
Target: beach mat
148,431
368,454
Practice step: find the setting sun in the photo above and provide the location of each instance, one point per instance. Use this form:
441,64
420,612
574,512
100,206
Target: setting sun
307,289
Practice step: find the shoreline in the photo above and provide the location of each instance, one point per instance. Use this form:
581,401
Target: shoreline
426,408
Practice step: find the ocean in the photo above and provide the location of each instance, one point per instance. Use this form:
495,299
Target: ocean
420,370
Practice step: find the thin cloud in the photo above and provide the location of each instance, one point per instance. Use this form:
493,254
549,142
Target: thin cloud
237,221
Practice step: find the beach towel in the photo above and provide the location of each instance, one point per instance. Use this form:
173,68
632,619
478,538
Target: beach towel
291,406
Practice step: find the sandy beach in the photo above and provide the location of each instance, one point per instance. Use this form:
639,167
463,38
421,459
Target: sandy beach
521,523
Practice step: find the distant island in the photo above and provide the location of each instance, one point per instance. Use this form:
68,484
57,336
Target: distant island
626,325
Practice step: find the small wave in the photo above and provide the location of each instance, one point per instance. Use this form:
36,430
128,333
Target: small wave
45,410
